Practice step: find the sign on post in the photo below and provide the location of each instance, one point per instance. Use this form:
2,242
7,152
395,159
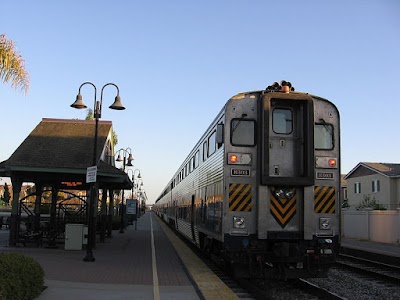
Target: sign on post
131,205
131,211
91,174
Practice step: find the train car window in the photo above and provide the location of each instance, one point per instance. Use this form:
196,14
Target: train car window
243,132
323,136
196,159
211,144
282,121
191,164
204,151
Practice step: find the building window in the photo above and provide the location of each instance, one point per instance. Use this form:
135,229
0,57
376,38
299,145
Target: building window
357,188
345,194
375,186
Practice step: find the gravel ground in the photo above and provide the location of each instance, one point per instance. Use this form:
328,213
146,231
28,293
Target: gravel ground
353,286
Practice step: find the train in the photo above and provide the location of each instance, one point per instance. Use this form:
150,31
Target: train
260,190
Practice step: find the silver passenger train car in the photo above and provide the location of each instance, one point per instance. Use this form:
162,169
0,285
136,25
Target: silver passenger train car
261,188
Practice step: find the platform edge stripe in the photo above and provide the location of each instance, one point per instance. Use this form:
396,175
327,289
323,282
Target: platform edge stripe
156,287
209,284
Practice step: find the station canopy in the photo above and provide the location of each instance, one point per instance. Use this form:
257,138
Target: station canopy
59,151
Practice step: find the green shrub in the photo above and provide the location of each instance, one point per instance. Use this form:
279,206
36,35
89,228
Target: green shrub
368,203
21,277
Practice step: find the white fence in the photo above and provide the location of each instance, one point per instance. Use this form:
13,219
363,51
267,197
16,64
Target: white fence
381,226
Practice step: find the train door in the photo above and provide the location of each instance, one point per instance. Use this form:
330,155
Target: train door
192,216
287,162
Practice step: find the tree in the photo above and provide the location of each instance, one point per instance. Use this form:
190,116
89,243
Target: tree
90,116
7,195
12,65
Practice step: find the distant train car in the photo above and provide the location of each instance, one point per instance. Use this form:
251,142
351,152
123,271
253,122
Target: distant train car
261,187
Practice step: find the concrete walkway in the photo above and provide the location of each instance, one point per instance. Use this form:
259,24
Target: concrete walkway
136,264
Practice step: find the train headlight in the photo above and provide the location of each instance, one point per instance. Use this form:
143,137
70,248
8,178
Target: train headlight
324,223
279,193
289,193
239,222
284,192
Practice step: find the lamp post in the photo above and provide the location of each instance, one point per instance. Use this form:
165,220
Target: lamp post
93,187
124,160
133,180
144,199
133,176
138,194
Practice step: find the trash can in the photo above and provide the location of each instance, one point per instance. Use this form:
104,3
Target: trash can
75,236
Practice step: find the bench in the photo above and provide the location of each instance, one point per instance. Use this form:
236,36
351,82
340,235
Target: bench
29,237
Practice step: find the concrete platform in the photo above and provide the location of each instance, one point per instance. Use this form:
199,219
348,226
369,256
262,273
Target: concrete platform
381,252
148,262
380,248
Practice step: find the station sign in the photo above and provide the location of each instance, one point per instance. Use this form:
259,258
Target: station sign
91,174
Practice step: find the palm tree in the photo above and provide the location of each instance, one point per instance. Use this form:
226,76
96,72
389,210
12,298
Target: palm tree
12,65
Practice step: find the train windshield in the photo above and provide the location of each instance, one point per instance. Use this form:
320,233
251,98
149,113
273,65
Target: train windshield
243,132
323,136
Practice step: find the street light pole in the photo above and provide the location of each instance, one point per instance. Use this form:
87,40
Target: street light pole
137,200
130,159
133,178
93,185
138,194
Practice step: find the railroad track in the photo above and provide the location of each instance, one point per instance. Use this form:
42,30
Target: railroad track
343,282
256,289
382,271
354,278
214,265
298,289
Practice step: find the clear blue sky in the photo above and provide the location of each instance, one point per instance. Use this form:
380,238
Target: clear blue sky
177,62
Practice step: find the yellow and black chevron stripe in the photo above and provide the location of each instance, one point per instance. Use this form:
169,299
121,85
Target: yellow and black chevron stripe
283,210
324,200
240,197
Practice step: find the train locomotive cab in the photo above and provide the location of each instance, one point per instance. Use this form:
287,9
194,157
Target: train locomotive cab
282,177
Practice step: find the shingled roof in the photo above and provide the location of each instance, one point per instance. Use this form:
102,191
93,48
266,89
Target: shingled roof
61,146
386,169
